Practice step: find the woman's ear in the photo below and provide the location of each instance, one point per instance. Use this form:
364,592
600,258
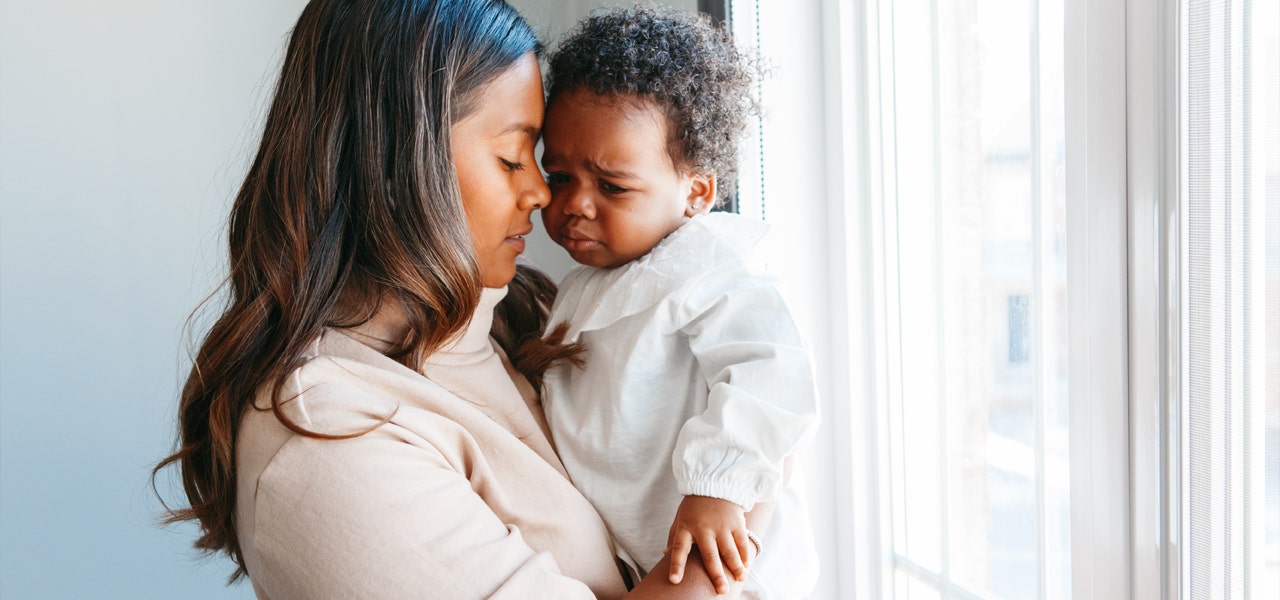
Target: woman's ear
702,194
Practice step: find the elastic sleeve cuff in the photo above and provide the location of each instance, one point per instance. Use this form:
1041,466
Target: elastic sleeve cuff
743,491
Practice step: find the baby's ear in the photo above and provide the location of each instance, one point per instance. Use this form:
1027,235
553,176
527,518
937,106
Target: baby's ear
702,194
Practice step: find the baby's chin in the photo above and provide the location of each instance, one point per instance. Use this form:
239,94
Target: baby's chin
596,257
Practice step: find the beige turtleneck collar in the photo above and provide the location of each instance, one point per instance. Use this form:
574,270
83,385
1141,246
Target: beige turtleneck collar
474,368
388,326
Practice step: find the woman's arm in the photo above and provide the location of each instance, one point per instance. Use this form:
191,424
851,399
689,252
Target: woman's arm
696,584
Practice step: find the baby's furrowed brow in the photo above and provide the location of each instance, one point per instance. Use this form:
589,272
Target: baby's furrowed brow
605,171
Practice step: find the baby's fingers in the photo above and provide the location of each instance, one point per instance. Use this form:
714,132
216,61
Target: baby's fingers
681,544
732,556
744,545
711,560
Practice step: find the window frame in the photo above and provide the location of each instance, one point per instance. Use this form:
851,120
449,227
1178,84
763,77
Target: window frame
1153,54
1097,298
718,10
850,51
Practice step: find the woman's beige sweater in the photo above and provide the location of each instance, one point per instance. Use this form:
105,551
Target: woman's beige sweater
458,495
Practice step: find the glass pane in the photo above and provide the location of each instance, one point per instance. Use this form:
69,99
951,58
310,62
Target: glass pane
975,198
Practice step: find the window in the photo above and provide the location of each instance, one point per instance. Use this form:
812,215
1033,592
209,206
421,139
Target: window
972,148
1054,231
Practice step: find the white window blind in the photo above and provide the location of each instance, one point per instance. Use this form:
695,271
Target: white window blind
1228,527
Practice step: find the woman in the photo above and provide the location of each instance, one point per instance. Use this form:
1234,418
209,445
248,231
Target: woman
349,427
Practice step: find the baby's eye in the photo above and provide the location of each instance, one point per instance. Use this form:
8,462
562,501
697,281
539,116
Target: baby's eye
609,188
557,178
511,166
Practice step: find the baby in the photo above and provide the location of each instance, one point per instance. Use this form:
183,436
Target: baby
696,389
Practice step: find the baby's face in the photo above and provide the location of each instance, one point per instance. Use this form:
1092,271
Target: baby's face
615,192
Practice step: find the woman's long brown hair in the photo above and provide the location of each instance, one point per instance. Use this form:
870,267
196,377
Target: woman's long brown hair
351,201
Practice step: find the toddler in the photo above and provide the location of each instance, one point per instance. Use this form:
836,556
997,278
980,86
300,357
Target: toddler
695,389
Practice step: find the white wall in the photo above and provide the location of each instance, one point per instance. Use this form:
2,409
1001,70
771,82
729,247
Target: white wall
124,129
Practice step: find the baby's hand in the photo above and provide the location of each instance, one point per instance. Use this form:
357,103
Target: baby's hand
719,528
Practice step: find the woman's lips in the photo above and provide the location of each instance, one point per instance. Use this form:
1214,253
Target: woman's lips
516,242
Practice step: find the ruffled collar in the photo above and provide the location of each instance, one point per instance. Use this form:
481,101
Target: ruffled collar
601,297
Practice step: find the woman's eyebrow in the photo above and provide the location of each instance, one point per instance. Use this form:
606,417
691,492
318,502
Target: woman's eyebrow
526,128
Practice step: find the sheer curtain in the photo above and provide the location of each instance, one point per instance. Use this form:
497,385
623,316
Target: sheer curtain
1228,523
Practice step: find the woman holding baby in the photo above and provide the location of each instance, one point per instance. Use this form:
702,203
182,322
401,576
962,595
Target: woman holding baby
364,418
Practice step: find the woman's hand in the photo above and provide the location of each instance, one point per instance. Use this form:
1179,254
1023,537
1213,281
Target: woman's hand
719,529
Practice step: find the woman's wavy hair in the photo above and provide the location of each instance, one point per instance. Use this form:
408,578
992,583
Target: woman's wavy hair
351,201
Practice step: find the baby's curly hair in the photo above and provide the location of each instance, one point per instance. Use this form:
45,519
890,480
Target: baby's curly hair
682,63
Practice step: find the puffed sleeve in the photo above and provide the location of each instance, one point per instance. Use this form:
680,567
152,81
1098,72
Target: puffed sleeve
762,402
375,517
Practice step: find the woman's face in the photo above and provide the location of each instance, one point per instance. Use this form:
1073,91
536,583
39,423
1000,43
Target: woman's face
497,173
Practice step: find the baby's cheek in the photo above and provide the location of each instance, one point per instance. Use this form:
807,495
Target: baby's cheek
550,222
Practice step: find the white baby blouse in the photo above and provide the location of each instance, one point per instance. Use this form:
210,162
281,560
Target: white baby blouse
696,382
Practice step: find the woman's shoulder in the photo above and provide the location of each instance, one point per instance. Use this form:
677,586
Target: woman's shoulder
343,388
331,394
346,389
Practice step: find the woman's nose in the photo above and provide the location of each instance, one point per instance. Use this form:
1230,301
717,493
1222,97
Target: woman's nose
536,193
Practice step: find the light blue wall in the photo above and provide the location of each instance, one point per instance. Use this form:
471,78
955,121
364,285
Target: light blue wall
124,127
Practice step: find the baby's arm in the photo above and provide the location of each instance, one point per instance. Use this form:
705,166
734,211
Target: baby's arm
760,407
719,529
